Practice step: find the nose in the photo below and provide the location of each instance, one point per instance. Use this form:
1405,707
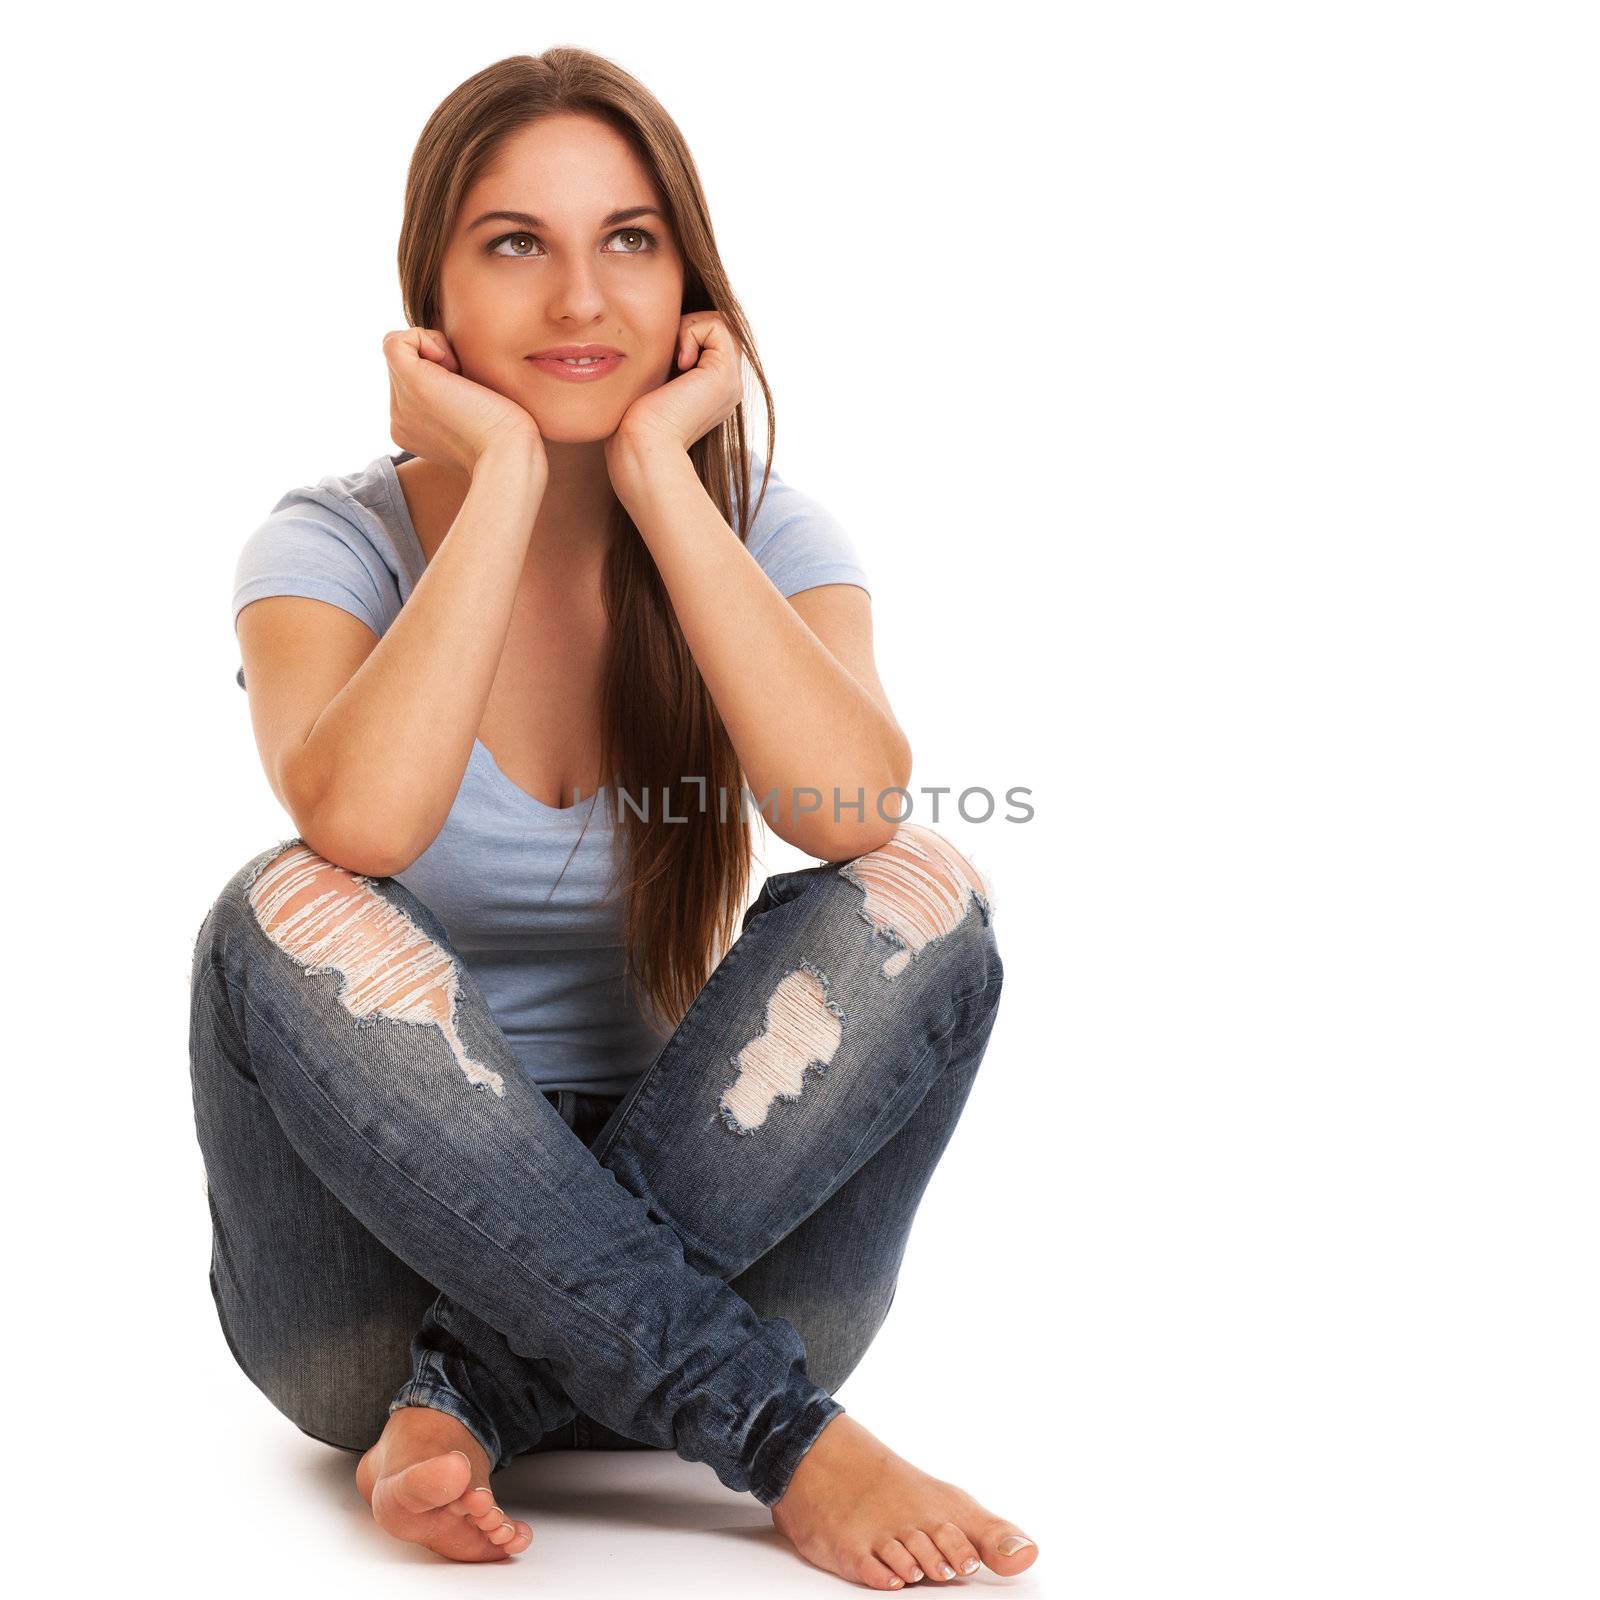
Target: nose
575,294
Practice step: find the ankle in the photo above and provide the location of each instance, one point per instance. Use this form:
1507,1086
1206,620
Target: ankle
817,1465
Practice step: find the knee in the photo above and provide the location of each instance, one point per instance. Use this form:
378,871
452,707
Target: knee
233,909
919,888
326,917
388,950
297,896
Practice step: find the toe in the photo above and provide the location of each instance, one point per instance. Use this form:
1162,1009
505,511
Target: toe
504,1534
872,1572
521,1539
480,1509
894,1555
956,1548
927,1554
1005,1548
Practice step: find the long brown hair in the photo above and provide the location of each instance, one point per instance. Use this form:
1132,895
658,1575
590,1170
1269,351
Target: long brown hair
686,881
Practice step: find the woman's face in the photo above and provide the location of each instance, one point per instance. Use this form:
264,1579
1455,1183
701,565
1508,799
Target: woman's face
564,272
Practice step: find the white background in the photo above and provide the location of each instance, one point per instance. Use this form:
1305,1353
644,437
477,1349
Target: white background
1212,393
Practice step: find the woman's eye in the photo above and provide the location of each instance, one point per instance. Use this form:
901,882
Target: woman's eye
642,234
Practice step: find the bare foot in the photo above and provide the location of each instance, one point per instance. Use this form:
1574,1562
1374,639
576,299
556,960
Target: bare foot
856,1508
417,1479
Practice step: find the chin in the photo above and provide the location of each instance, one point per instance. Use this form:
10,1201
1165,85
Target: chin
575,430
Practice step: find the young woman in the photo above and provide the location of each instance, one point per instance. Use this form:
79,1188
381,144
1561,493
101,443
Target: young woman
512,1141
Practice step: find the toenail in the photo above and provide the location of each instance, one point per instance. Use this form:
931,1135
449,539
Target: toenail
947,1571
1012,1543
916,1574
970,1564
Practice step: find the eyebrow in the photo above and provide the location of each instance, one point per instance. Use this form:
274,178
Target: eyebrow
528,221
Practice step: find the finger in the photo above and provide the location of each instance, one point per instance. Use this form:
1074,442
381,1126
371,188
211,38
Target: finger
436,347
696,346
698,329
704,331
400,342
419,344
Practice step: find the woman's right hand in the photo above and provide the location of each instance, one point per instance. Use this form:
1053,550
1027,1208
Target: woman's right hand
438,413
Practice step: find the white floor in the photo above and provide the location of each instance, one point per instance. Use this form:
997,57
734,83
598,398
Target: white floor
625,1523
229,1494
279,1515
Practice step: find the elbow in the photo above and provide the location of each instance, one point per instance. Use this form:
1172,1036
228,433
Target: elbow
354,847
900,761
347,841
350,840
866,817
845,844
362,836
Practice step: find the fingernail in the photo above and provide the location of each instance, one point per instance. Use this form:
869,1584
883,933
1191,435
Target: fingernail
1012,1543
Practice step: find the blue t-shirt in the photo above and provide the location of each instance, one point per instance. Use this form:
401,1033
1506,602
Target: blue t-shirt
519,886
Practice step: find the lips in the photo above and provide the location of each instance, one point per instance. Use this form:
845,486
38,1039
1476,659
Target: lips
561,351
578,363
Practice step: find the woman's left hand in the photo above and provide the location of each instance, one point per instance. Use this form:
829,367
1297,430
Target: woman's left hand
705,391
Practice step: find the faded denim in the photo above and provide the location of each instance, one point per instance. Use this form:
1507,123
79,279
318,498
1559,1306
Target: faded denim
566,1270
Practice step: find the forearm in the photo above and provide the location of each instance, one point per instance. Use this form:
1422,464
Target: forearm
798,719
384,761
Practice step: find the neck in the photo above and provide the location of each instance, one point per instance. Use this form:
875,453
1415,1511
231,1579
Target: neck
572,530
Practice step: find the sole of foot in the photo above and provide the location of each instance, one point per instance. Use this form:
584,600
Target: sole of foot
431,1500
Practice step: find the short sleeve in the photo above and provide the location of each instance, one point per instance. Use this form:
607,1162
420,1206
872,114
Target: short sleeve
312,551
799,542
307,548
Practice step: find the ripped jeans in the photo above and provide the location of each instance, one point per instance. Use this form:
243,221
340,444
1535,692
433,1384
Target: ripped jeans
402,1218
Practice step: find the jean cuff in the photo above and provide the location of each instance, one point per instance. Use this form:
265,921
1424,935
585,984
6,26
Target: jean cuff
780,1454
440,1397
